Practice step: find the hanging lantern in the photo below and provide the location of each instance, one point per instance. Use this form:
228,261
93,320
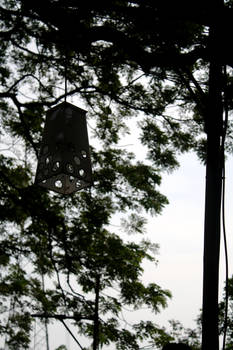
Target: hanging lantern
64,164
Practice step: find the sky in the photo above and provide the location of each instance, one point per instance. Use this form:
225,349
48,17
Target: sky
179,233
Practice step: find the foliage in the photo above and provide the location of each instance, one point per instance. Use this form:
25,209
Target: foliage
222,321
180,334
121,59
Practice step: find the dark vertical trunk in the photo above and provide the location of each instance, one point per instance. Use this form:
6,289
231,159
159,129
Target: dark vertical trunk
96,315
211,246
46,319
214,117
46,334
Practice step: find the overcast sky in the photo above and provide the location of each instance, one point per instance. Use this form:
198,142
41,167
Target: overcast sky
179,231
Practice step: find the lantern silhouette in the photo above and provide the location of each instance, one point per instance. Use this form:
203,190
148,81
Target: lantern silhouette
64,164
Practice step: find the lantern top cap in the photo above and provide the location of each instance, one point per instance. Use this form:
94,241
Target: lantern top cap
67,104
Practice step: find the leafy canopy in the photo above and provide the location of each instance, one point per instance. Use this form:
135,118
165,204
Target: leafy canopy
122,59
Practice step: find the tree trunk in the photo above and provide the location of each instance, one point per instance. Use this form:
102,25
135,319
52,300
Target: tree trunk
214,128
96,315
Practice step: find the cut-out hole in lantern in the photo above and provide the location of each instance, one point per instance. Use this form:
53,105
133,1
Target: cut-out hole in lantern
82,172
68,114
78,184
71,178
77,160
69,168
44,182
56,166
84,154
47,160
58,184
45,149
54,115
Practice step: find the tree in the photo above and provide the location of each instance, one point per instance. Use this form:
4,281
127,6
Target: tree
120,58
188,336
78,246
46,236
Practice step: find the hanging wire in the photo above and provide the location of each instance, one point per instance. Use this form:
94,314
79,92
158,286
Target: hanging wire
65,74
223,213
72,335
226,260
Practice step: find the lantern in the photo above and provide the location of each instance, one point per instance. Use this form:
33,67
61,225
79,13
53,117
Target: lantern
64,164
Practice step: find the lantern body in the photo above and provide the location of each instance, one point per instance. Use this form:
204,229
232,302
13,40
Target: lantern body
64,164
